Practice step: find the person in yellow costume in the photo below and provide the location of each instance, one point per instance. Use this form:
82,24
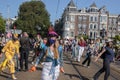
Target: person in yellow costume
11,47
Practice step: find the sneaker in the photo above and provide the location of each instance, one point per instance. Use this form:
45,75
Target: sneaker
32,63
42,63
13,77
25,70
88,66
84,65
21,70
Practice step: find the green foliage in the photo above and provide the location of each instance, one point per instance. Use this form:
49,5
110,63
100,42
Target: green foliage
84,36
116,44
2,25
117,38
32,14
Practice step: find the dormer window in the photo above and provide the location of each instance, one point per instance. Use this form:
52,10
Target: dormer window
93,8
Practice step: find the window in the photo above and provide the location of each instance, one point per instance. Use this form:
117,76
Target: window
80,18
91,18
95,19
72,18
72,34
95,26
84,18
91,26
72,9
90,34
67,18
94,34
79,26
72,25
103,19
66,25
114,21
110,20
100,18
84,26
119,28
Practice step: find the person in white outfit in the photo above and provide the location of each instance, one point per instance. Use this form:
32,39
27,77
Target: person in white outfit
82,45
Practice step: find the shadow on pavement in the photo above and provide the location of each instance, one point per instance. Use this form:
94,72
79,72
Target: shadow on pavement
72,75
75,64
5,76
84,78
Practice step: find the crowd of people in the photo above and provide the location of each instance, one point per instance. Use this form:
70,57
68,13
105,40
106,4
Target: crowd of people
48,51
93,48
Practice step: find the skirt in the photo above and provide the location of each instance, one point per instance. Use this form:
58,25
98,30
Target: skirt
46,71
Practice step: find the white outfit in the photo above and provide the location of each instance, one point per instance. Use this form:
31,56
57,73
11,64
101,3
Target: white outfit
46,71
81,49
50,72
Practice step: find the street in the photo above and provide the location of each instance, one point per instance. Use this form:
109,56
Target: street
73,71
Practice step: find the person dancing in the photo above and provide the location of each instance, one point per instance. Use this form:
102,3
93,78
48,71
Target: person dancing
108,56
10,49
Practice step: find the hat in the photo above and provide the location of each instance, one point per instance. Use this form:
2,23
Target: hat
51,32
108,40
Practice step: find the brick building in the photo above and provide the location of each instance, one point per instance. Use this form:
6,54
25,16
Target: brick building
92,21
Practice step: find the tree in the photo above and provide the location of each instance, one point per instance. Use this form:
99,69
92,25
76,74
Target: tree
84,36
117,38
2,25
33,17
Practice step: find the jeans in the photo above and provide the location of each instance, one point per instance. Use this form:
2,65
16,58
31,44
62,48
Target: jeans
105,68
24,56
88,58
39,58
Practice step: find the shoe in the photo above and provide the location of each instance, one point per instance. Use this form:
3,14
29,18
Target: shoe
88,66
21,70
78,61
32,63
42,63
84,65
26,70
13,77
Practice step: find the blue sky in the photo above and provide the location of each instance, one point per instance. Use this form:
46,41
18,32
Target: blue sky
113,6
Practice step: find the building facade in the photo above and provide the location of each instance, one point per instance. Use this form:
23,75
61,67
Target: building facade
93,21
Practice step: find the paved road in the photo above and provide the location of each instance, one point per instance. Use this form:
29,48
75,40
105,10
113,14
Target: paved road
88,73
73,71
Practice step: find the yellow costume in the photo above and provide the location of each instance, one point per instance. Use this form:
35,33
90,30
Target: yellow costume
10,49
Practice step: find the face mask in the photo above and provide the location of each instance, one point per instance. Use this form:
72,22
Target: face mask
52,41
